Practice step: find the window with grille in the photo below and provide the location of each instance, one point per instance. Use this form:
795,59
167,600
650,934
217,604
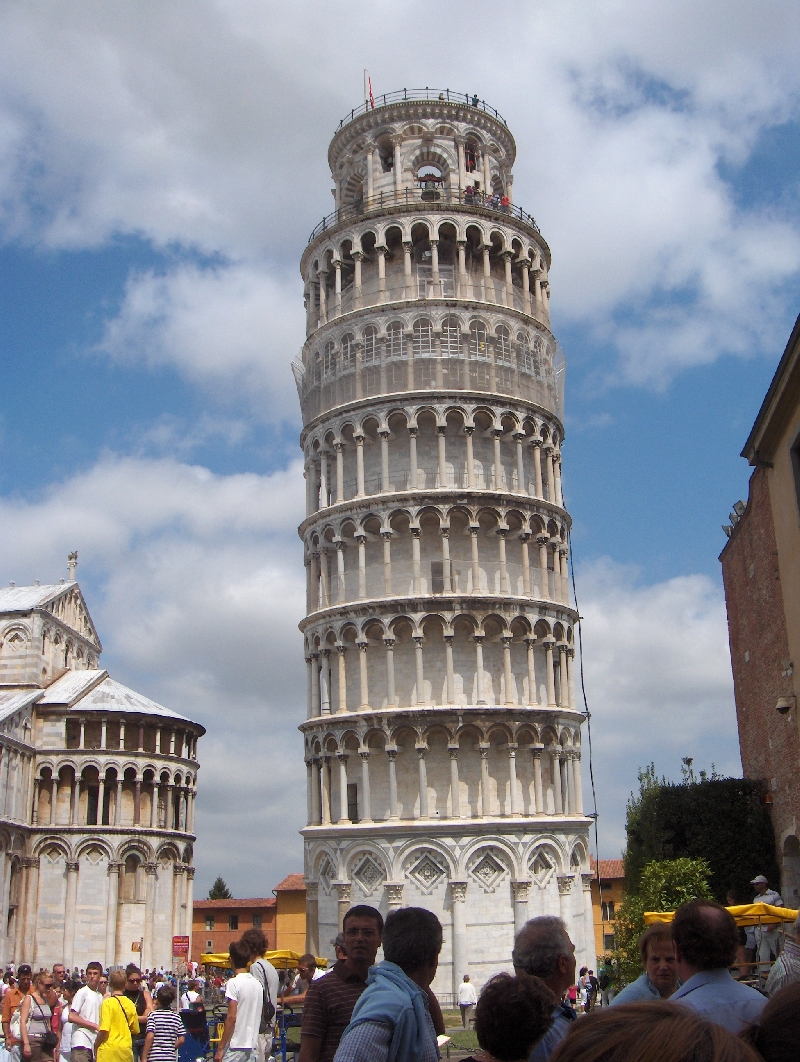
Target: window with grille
348,353
370,353
502,347
233,921
526,355
209,923
478,347
538,351
258,919
329,361
451,337
394,340
317,368
423,339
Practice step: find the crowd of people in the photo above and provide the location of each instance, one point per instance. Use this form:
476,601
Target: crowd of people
92,1015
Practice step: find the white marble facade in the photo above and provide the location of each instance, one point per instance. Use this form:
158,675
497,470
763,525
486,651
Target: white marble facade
443,738
97,790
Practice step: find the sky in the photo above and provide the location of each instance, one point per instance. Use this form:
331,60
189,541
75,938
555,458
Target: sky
161,167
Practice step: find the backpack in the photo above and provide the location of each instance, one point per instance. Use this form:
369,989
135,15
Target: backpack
605,981
267,1006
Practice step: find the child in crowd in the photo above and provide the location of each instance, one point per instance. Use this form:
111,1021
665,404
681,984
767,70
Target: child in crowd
165,1031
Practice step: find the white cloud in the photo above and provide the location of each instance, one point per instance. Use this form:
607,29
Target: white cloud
658,682
232,329
205,125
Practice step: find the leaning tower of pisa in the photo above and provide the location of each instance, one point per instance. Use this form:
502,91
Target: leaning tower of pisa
442,742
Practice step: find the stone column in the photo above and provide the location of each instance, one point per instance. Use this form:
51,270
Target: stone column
520,889
309,792
487,274
358,258
442,455
485,805
571,679
111,912
341,649
533,693
548,644
391,752
419,669
384,436
324,681
70,907
137,802
365,811
381,252
35,808
363,674
344,818
564,893
312,916
448,652
118,804
462,172
391,697
316,793
189,903
413,477
370,187
470,459
435,267
31,905
509,280
343,900
578,782
538,794
563,762
508,677
476,567
563,557
323,295
455,792
415,532
423,782
501,549
521,485
512,778
178,870
590,958
409,284
360,488
148,958
76,796
325,597
559,499
387,562
526,287
478,639
499,476
315,698
542,542
326,791
337,287
563,675
458,896
397,168
555,774
538,489
447,577
573,803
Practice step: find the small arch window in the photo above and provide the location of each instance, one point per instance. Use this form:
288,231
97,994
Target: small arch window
317,368
394,340
538,352
423,339
348,353
370,353
478,345
451,337
526,354
502,347
470,158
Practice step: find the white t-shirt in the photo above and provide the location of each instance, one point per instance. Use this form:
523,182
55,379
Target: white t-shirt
467,996
246,990
86,1002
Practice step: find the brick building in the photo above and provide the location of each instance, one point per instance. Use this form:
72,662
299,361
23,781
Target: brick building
282,917
761,574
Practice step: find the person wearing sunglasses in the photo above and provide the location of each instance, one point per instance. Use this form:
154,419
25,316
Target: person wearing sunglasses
138,993
36,1020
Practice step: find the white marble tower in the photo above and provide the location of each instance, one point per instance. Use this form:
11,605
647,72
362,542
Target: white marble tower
442,742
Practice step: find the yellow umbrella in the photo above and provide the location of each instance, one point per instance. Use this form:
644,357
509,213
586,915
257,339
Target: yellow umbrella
746,914
281,960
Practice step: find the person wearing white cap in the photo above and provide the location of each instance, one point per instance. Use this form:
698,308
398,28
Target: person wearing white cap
767,936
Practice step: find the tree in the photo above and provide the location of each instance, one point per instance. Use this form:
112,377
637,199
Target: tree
725,821
219,891
663,886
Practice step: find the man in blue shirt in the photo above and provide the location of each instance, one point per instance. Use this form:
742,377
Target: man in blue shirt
660,978
705,948
543,948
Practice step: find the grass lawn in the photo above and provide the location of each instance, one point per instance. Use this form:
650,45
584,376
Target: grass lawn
463,1039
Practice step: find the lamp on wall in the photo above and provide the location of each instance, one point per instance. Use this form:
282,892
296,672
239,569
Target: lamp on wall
785,704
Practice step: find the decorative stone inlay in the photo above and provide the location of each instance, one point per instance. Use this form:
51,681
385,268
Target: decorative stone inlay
565,884
394,893
427,873
541,869
488,871
368,874
326,873
458,891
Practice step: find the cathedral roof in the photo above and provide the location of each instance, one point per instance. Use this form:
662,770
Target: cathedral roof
24,598
95,691
12,700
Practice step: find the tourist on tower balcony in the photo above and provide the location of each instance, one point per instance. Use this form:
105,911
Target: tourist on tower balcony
330,999
705,948
660,977
543,949
392,1019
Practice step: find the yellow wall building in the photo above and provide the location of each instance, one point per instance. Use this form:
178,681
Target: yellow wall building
607,894
290,916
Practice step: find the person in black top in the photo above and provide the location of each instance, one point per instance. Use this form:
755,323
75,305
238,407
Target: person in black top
138,994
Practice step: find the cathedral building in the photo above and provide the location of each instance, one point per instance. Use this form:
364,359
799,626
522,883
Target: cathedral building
443,733
97,792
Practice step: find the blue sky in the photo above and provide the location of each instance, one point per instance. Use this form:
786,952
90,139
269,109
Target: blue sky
160,169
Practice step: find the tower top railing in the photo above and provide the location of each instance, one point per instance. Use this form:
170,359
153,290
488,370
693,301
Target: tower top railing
422,95
416,196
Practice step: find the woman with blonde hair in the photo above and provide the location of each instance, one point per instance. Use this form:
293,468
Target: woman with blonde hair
36,1020
650,1032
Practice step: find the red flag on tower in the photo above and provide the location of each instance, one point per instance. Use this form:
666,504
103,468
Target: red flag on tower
368,97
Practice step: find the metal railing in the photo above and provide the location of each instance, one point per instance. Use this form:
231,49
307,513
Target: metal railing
422,95
429,199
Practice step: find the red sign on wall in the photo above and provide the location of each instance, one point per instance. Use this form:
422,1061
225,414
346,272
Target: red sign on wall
180,947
